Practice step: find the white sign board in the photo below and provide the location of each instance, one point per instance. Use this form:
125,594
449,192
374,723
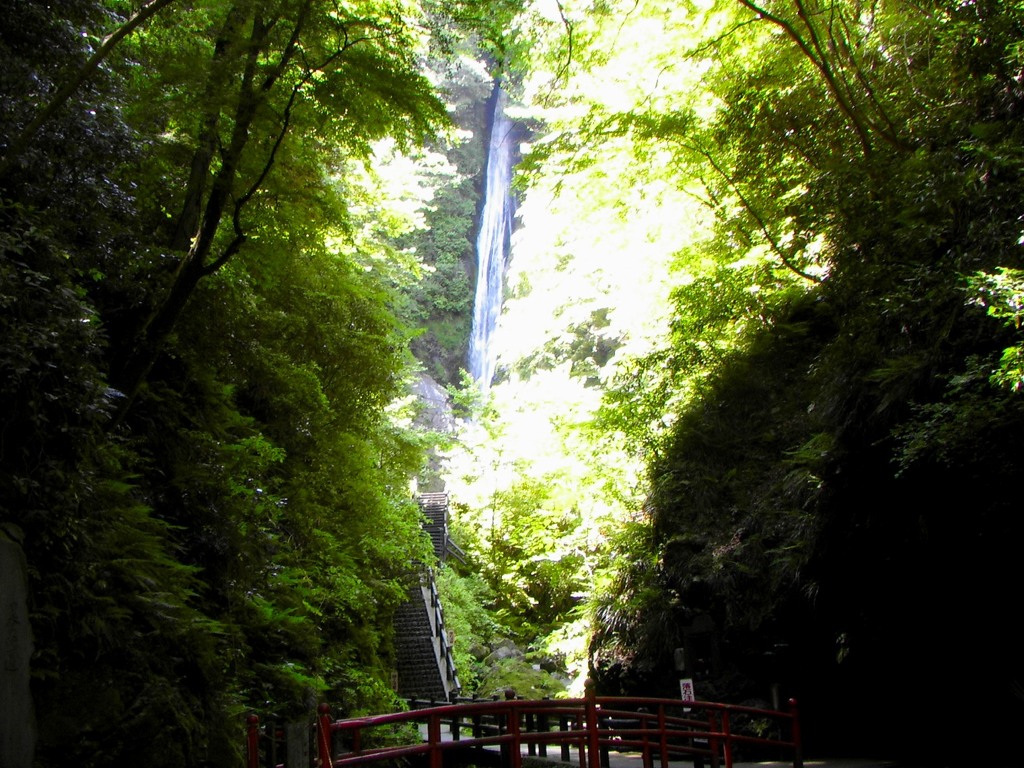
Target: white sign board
686,689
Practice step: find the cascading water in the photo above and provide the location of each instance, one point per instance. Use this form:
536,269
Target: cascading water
492,244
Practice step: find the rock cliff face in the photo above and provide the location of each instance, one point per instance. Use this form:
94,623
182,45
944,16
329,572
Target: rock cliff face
436,410
435,414
440,305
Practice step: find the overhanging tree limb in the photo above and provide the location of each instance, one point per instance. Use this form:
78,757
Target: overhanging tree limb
28,133
206,147
236,217
821,64
762,225
842,44
158,327
564,70
205,220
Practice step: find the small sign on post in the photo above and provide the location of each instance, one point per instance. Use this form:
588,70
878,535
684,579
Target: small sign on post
686,693
686,689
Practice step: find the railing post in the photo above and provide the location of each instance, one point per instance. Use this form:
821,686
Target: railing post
434,738
543,727
513,721
563,726
726,739
531,727
798,750
511,756
713,737
323,741
644,724
605,760
252,741
662,737
501,722
593,737
477,730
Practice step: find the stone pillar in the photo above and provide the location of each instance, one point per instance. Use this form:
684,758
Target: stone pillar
17,722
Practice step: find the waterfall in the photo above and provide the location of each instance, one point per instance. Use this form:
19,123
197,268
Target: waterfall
492,244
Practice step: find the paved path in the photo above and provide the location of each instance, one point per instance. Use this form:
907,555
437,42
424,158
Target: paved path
621,760
629,760
635,760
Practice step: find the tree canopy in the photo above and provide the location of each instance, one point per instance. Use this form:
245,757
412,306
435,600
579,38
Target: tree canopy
760,377
827,414
204,457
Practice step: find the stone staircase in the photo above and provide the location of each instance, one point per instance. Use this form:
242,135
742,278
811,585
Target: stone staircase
422,651
435,511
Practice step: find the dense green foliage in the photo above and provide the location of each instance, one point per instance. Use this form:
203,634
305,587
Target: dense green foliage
201,458
784,241
831,423
469,622
770,253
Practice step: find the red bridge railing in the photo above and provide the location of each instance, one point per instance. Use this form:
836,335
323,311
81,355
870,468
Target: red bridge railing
660,730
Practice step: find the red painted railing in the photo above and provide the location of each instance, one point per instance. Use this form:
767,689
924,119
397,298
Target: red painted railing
658,729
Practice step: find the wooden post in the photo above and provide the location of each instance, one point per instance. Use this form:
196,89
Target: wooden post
515,748
543,727
563,726
798,750
593,737
324,737
605,760
531,727
508,723
434,737
644,724
252,742
663,741
726,739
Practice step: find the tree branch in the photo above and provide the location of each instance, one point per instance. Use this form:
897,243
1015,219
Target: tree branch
890,132
194,267
822,67
758,219
236,218
186,229
563,71
28,133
